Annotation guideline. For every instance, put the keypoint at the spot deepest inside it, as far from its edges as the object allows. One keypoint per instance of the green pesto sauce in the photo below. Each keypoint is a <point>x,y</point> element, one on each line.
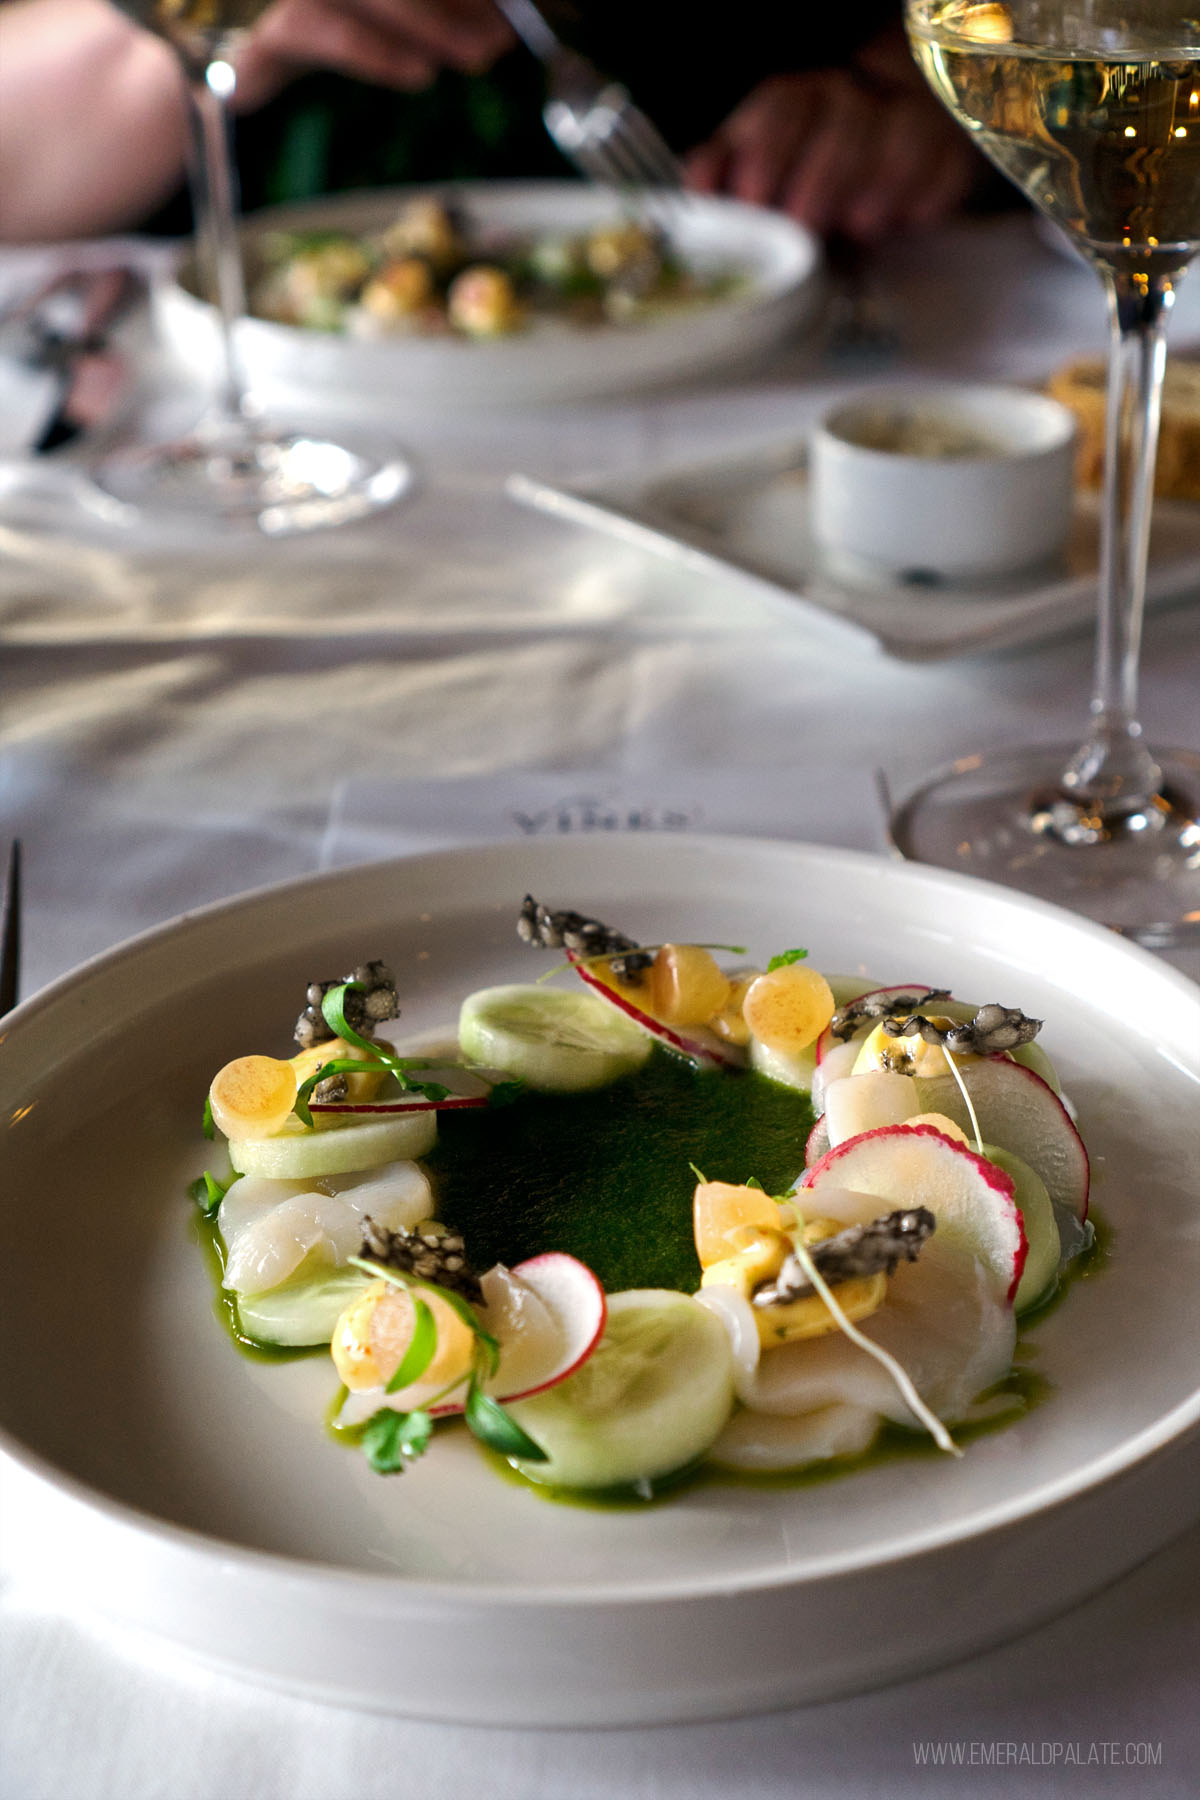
<point>607,1176</point>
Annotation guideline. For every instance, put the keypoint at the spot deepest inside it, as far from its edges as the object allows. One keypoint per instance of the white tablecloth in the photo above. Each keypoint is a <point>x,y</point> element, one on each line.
<point>176,727</point>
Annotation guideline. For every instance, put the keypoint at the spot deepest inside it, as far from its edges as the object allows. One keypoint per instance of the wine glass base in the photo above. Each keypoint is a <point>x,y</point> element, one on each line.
<point>1007,818</point>
<point>260,477</point>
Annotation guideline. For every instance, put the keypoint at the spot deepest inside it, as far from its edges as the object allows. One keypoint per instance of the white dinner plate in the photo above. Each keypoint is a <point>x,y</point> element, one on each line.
<point>778,262</point>
<point>193,1492</point>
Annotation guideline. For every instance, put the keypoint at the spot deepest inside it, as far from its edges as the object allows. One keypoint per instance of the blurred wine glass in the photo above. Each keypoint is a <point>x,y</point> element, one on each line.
<point>1092,107</point>
<point>237,465</point>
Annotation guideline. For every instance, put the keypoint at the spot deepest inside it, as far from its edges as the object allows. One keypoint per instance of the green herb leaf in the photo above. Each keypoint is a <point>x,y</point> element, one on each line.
<point>391,1440</point>
<point>301,1107</point>
<point>752,1181</point>
<point>785,959</point>
<point>701,1177</point>
<point>406,1279</point>
<point>333,1012</point>
<point>421,1348</point>
<point>207,1124</point>
<point>487,1356</point>
<point>505,1092</point>
<point>208,1192</point>
<point>488,1421</point>
<point>337,1065</point>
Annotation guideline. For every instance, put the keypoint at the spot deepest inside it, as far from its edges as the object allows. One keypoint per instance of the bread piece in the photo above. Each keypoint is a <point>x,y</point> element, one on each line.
<point>1081,385</point>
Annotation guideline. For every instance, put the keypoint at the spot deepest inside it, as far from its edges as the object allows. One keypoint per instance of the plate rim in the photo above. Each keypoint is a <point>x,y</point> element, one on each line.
<point>1172,1430</point>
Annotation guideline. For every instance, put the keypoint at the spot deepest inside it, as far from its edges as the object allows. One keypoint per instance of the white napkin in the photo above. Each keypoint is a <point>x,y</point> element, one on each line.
<point>27,400</point>
<point>377,818</point>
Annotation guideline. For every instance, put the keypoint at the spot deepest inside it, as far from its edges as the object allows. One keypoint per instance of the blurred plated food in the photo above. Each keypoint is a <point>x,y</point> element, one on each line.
<point>491,293</point>
<point>432,270</point>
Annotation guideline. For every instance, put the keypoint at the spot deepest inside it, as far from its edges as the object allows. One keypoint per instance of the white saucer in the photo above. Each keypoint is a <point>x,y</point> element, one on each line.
<point>745,515</point>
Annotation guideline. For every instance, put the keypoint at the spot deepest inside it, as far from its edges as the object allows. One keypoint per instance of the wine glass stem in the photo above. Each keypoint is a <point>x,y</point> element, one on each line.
<point>214,202</point>
<point>1113,772</point>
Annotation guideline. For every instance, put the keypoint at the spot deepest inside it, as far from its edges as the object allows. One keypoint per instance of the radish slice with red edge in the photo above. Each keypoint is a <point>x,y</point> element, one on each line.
<point>708,1049</point>
<point>1019,1111</point>
<point>914,1165</point>
<point>399,1106</point>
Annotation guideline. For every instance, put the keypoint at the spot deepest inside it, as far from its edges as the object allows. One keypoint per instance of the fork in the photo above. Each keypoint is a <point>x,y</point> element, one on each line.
<point>10,932</point>
<point>591,118</point>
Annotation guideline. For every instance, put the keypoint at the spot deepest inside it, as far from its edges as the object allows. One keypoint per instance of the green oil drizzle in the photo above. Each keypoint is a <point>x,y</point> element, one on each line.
<point>205,1234</point>
<point>607,1175</point>
<point>1092,1260</point>
<point>1024,1387</point>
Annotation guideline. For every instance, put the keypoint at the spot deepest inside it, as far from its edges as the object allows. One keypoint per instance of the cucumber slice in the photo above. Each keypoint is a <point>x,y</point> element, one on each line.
<point>300,1312</point>
<point>298,1154</point>
<point>793,1068</point>
<point>1035,1058</point>
<point>558,1040</point>
<point>653,1395</point>
<point>1041,1229</point>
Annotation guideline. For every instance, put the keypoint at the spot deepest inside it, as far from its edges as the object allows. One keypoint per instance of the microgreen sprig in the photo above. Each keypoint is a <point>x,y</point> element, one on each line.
<point>392,1440</point>
<point>492,1425</point>
<point>421,1350</point>
<point>208,1192</point>
<point>785,959</point>
<point>376,1059</point>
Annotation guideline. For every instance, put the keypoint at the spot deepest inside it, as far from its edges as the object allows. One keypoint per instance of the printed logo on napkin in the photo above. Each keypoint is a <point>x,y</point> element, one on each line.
<point>372,818</point>
<point>584,812</point>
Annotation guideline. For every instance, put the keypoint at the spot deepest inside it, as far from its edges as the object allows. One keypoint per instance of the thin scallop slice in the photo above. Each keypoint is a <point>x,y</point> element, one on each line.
<point>321,1228</point>
<point>941,1321</point>
<point>271,1227</point>
<point>398,1195</point>
<point>945,1320</point>
<point>761,1443</point>
<point>249,1198</point>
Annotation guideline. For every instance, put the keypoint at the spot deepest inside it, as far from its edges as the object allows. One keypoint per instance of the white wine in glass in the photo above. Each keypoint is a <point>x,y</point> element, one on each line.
<point>1092,107</point>
<point>236,465</point>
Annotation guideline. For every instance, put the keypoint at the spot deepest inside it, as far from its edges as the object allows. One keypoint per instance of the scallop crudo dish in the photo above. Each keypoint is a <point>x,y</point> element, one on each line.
<point>656,1209</point>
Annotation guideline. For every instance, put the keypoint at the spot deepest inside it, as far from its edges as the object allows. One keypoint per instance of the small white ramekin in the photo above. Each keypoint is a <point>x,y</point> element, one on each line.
<point>894,514</point>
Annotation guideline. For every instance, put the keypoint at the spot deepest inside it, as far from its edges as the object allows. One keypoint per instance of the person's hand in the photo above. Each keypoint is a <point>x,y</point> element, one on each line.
<point>393,43</point>
<point>847,150</point>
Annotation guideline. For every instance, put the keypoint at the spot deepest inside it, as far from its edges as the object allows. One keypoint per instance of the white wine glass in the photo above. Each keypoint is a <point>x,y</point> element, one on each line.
<point>1093,108</point>
<point>236,465</point>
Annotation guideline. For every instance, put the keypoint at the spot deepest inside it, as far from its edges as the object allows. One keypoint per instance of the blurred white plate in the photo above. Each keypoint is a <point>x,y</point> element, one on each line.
<point>550,361</point>
<point>188,1490</point>
<point>746,514</point>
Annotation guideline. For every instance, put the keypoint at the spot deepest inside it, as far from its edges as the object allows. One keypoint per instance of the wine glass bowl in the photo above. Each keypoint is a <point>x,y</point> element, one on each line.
<point>1093,109</point>
<point>235,466</point>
